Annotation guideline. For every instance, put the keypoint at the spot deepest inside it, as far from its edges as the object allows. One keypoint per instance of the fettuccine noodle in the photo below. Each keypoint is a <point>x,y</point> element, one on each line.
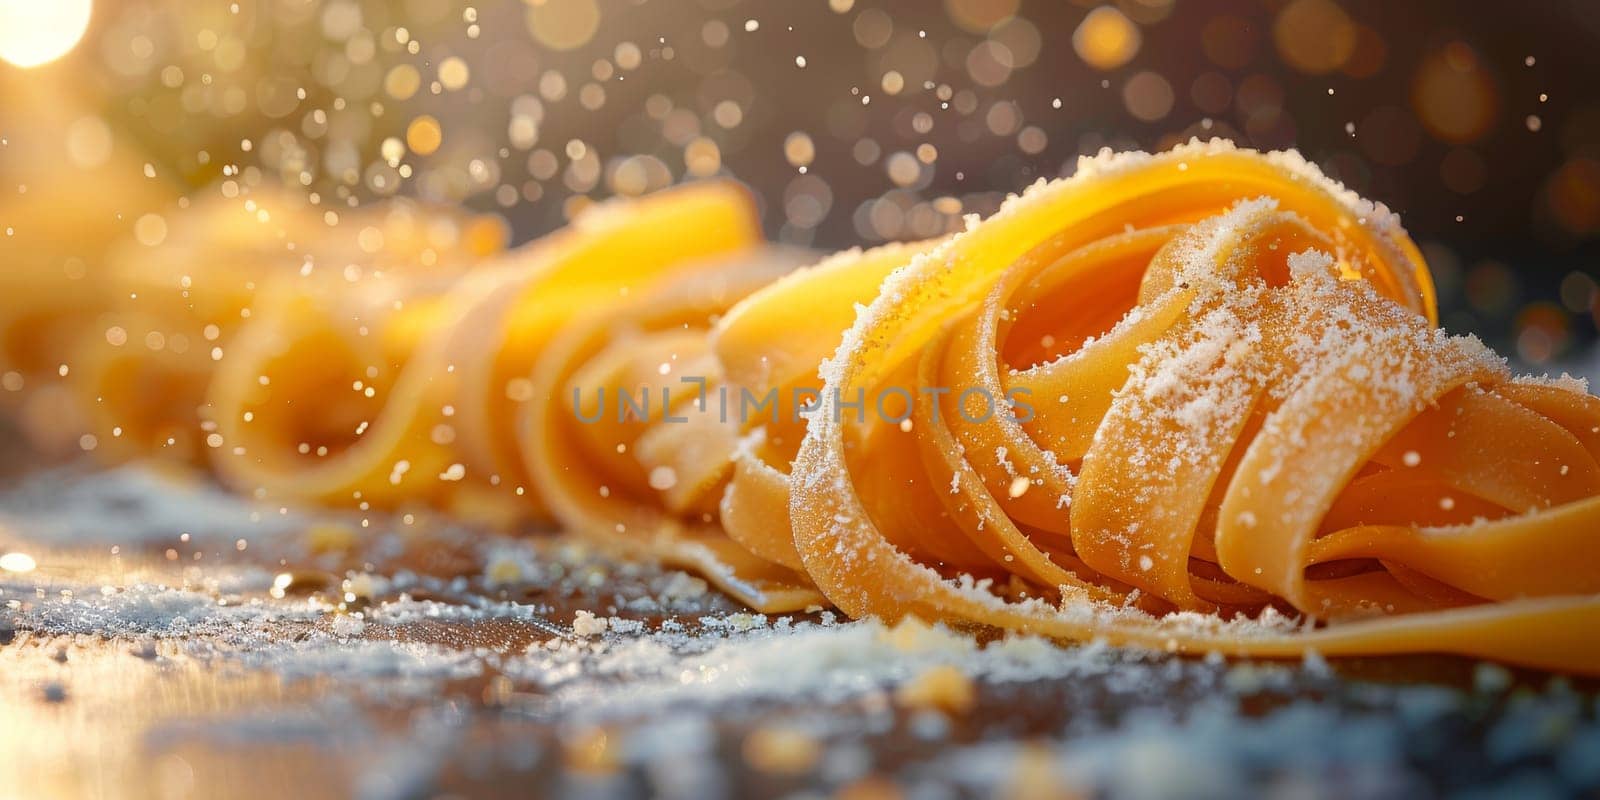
<point>1193,401</point>
<point>1272,422</point>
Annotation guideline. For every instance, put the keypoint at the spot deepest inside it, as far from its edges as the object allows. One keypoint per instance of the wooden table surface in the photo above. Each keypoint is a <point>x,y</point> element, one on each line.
<point>137,662</point>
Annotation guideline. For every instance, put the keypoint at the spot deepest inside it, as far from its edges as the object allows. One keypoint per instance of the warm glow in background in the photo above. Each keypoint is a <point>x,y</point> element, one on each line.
<point>33,33</point>
<point>857,121</point>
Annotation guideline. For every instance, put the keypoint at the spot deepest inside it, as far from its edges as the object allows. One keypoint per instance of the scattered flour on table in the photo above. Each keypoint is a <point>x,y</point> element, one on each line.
<point>1184,729</point>
<point>131,505</point>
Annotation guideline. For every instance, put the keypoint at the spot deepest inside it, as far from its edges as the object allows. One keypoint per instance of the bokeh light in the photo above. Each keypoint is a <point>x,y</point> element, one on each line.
<point>1314,36</point>
<point>35,32</point>
<point>904,116</point>
<point>17,563</point>
<point>1455,94</point>
<point>1106,39</point>
<point>563,24</point>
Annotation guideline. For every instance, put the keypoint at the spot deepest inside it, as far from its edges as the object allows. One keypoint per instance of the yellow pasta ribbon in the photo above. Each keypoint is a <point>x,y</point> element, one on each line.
<point>398,391</point>
<point>1193,401</point>
<point>1239,407</point>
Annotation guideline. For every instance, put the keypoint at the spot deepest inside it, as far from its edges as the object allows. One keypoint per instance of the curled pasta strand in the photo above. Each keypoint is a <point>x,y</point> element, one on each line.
<point>441,367</point>
<point>143,327</point>
<point>627,436</point>
<point>1193,401</point>
<point>1270,379</point>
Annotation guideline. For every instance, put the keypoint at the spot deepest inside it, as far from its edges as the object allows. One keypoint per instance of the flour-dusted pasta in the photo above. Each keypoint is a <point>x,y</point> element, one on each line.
<point>1193,401</point>
<point>408,391</point>
<point>121,342</point>
<point>1227,419</point>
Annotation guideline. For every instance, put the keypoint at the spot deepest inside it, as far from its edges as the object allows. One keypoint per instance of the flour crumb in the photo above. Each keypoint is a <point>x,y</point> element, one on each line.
<point>586,624</point>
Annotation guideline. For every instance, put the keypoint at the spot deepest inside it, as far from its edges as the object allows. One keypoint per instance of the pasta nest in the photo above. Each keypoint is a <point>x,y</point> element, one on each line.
<point>1194,401</point>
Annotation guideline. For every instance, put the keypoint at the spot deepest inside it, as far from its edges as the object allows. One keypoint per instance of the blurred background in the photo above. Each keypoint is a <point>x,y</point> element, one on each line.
<point>856,121</point>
